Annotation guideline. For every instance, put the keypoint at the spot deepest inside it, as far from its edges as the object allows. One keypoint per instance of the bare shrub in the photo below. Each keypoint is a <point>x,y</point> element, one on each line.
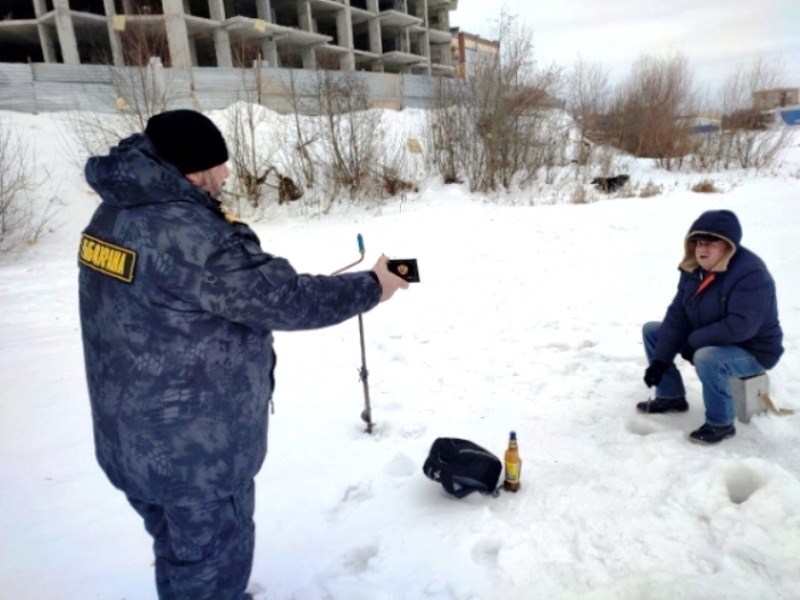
<point>329,144</point>
<point>606,159</point>
<point>250,165</point>
<point>141,88</point>
<point>745,139</point>
<point>296,140</point>
<point>706,186</point>
<point>498,128</point>
<point>23,217</point>
<point>348,145</point>
<point>588,98</point>
<point>650,189</point>
<point>257,177</point>
<point>394,185</point>
<point>144,86</point>
<point>579,195</point>
<point>444,128</point>
<point>648,115</point>
<point>299,155</point>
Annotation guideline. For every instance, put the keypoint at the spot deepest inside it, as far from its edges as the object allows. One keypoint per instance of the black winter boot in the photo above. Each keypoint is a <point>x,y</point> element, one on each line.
<point>711,434</point>
<point>662,405</point>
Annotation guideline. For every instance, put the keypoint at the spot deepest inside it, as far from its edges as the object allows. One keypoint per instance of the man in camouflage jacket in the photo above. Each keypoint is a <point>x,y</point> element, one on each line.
<point>177,306</point>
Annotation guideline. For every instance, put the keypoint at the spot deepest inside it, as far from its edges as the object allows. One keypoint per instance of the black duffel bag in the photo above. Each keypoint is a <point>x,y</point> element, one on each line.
<point>462,467</point>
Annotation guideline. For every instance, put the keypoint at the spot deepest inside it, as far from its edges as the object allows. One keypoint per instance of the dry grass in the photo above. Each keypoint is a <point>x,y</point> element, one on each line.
<point>706,186</point>
<point>394,185</point>
<point>579,195</point>
<point>650,190</point>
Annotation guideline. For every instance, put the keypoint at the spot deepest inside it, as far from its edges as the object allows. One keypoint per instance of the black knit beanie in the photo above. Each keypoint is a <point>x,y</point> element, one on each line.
<point>187,139</point>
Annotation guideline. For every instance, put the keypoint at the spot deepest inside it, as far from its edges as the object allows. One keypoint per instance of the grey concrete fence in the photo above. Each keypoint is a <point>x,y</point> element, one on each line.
<point>46,87</point>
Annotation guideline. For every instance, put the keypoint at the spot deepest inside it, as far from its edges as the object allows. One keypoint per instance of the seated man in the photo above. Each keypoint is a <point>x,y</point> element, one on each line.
<point>724,320</point>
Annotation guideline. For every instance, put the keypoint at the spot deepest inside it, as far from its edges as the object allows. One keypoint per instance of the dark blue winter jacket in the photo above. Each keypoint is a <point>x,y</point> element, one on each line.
<point>177,307</point>
<point>738,308</point>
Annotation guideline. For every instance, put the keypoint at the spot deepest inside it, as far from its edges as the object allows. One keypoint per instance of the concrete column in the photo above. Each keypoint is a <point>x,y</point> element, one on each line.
<point>425,38</point>
<point>374,32</point>
<point>117,57</point>
<point>192,51</point>
<point>445,55</point>
<point>304,15</point>
<point>177,34</point>
<point>66,33</point>
<point>425,50</point>
<point>422,11</point>
<point>309,57</point>
<point>344,31</point>
<point>269,49</point>
<point>269,53</point>
<point>264,10</point>
<point>222,40</point>
<point>39,8</point>
<point>45,37</point>
<point>444,19</point>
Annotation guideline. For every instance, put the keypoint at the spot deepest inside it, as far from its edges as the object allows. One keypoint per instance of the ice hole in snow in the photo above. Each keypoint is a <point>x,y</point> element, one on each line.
<point>743,482</point>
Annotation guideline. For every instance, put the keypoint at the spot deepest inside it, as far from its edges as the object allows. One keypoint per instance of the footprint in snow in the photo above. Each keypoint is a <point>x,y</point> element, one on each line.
<point>485,552</point>
<point>353,496</point>
<point>401,465</point>
<point>357,560</point>
<point>641,427</point>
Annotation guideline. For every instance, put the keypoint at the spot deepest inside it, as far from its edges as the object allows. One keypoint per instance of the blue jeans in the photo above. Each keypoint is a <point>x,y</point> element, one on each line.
<point>204,551</point>
<point>715,366</point>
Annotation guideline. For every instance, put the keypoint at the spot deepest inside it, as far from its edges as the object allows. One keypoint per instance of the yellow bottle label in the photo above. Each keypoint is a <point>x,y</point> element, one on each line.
<point>512,471</point>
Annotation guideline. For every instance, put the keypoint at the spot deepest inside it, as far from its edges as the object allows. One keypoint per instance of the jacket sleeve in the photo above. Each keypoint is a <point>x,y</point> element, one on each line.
<point>243,284</point>
<point>675,327</point>
<point>744,316</point>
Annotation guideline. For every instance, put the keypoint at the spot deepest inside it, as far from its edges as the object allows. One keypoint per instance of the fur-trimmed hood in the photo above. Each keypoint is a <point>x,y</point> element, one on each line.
<point>720,223</point>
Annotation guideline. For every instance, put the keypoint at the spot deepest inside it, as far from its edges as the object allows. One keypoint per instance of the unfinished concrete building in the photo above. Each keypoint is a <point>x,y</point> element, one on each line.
<point>399,36</point>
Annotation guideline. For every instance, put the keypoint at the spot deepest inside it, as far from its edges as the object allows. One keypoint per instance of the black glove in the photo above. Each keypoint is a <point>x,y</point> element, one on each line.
<point>654,373</point>
<point>687,352</point>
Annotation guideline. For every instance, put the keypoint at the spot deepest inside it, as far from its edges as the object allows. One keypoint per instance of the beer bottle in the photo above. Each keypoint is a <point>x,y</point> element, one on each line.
<point>513,464</point>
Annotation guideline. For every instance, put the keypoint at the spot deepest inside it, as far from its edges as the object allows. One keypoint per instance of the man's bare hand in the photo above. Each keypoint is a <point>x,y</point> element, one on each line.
<point>390,282</point>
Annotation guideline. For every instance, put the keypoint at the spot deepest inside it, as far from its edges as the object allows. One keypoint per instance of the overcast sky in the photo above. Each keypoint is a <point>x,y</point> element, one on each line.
<point>715,36</point>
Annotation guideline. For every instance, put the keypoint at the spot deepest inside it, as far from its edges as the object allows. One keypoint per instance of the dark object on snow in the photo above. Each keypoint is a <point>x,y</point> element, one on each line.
<point>610,184</point>
<point>663,405</point>
<point>710,434</point>
<point>462,467</point>
<point>288,190</point>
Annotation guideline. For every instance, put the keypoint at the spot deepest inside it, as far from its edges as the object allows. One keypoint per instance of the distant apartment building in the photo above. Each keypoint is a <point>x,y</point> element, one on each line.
<point>468,50</point>
<point>776,98</point>
<point>399,36</point>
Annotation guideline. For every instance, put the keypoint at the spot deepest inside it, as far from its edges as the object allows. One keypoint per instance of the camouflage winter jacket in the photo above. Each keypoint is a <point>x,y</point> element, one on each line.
<point>177,307</point>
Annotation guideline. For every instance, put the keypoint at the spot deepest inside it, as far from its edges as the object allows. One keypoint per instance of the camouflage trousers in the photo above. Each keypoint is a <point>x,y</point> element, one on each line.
<point>203,551</point>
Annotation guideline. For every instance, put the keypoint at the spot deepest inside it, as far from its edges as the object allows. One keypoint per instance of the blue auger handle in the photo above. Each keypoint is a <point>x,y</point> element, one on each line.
<point>360,243</point>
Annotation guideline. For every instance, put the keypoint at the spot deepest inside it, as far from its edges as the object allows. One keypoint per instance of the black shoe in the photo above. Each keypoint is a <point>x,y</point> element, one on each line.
<point>662,405</point>
<point>710,434</point>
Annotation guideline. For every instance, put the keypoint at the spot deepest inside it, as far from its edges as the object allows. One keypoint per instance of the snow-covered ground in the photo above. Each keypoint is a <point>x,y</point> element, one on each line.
<point>527,318</point>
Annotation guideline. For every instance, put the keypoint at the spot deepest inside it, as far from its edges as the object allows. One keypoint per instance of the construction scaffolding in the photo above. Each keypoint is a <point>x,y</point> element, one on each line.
<point>392,36</point>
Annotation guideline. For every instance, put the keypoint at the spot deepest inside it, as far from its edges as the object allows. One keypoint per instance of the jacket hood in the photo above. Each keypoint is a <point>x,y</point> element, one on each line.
<point>133,174</point>
<point>720,223</point>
